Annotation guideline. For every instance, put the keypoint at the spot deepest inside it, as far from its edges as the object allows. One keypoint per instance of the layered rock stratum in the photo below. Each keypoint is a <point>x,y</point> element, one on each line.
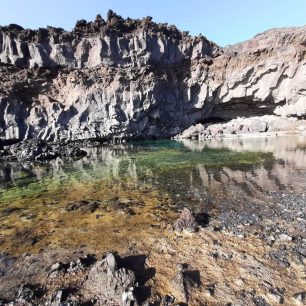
<point>127,79</point>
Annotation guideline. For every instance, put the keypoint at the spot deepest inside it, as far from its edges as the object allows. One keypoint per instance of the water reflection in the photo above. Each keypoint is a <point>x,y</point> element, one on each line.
<point>288,148</point>
<point>285,171</point>
<point>152,180</point>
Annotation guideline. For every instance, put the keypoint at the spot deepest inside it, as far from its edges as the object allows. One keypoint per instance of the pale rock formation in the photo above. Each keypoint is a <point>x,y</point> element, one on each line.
<point>246,127</point>
<point>132,79</point>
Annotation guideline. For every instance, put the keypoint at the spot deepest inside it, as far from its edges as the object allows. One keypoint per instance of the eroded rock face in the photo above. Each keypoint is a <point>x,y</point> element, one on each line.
<point>114,42</point>
<point>109,283</point>
<point>137,79</point>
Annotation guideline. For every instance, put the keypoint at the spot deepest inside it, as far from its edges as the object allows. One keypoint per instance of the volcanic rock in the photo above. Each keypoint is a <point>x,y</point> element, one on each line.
<point>186,221</point>
<point>125,79</point>
<point>108,282</point>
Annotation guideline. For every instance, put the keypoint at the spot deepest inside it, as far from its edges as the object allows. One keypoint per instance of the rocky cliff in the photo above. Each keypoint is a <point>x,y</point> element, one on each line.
<point>124,78</point>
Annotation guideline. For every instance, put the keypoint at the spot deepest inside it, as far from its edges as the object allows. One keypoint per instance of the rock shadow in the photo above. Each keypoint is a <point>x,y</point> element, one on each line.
<point>193,278</point>
<point>203,219</point>
<point>137,263</point>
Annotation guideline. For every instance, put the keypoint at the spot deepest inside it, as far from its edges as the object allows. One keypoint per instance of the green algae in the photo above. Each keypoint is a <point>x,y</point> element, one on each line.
<point>39,223</point>
<point>158,157</point>
<point>171,158</point>
<point>139,172</point>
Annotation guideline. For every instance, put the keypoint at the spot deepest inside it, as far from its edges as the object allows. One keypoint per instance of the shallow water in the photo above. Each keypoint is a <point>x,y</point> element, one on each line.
<point>139,188</point>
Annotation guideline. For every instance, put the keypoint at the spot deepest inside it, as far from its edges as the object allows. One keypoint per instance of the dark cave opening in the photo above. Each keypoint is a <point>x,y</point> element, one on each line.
<point>212,120</point>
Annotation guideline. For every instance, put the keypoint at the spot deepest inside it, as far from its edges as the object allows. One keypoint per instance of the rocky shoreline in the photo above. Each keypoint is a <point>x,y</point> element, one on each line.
<point>40,150</point>
<point>246,127</point>
<point>247,248</point>
<point>260,263</point>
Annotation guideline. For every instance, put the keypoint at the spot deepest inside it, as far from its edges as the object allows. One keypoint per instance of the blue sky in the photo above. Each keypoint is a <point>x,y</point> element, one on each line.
<point>223,21</point>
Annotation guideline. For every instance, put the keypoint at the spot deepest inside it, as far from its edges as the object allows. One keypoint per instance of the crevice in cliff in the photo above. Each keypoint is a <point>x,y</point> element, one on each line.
<point>211,120</point>
<point>244,107</point>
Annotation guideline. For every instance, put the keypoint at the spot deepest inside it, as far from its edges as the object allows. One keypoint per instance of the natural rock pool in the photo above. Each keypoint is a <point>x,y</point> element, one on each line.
<point>124,198</point>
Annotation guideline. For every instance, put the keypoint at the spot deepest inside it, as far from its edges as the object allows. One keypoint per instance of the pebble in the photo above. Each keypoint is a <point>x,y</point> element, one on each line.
<point>284,237</point>
<point>300,296</point>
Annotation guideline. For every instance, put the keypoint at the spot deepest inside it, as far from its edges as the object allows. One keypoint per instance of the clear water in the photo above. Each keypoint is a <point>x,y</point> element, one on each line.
<point>152,179</point>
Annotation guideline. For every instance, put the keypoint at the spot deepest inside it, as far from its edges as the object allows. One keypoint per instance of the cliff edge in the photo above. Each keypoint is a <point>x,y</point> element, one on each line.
<point>126,79</point>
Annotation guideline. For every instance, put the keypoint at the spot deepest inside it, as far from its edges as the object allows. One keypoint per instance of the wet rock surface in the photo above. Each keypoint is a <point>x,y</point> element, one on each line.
<point>268,272</point>
<point>40,150</point>
<point>132,280</point>
<point>141,280</point>
<point>84,206</point>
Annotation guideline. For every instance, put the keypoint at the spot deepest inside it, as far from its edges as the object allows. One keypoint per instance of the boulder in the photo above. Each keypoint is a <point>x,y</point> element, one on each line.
<point>112,283</point>
<point>186,222</point>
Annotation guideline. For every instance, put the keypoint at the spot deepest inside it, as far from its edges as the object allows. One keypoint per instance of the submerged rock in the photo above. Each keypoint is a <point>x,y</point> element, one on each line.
<point>84,206</point>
